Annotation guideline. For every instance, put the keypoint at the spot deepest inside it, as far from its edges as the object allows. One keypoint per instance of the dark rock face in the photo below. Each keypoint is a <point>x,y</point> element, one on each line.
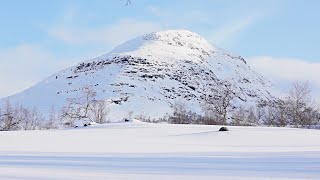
<point>223,129</point>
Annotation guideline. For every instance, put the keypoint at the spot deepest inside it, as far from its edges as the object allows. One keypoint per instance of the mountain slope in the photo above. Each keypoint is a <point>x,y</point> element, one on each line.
<point>149,73</point>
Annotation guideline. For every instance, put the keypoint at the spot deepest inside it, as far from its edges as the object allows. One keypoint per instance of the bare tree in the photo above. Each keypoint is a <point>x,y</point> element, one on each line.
<point>36,120</point>
<point>299,103</point>
<point>25,118</point>
<point>260,111</point>
<point>85,106</point>
<point>30,119</point>
<point>209,118</point>
<point>179,113</point>
<point>296,109</point>
<point>269,119</point>
<point>8,120</point>
<point>52,121</point>
<point>219,102</point>
<point>255,115</point>
<point>100,112</point>
<point>239,117</point>
<point>79,107</point>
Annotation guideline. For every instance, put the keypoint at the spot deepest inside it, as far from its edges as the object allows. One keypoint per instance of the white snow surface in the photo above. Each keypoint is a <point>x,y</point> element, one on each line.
<point>143,151</point>
<point>151,72</point>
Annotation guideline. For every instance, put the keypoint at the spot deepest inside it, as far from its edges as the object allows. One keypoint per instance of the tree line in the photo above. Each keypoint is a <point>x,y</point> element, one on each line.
<point>296,109</point>
<point>85,108</point>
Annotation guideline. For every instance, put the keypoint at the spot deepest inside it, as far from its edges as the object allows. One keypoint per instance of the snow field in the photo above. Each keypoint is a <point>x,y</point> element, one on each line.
<point>160,151</point>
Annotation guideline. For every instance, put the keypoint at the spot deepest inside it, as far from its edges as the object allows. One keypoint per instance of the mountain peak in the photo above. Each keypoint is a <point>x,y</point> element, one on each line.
<point>172,35</point>
<point>178,44</point>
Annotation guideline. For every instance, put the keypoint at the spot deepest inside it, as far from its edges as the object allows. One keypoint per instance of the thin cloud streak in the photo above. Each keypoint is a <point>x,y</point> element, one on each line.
<point>110,35</point>
<point>229,32</point>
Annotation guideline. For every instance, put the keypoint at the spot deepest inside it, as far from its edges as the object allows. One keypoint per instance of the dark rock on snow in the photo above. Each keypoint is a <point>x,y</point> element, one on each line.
<point>223,129</point>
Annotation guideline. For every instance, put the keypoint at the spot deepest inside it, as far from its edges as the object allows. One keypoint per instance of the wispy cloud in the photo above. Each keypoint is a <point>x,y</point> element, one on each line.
<point>229,32</point>
<point>110,34</point>
<point>282,71</point>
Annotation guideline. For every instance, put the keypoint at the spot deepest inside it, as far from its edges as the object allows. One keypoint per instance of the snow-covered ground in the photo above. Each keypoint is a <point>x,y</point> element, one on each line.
<point>160,151</point>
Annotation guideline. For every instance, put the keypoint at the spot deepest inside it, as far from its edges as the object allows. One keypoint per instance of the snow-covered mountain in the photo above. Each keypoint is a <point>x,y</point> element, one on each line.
<point>149,73</point>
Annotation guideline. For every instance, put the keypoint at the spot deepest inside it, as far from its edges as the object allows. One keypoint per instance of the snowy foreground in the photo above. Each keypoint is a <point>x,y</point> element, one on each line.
<point>159,151</point>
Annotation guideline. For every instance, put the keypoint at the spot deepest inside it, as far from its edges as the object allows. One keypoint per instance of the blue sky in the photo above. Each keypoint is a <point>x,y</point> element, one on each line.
<point>280,38</point>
